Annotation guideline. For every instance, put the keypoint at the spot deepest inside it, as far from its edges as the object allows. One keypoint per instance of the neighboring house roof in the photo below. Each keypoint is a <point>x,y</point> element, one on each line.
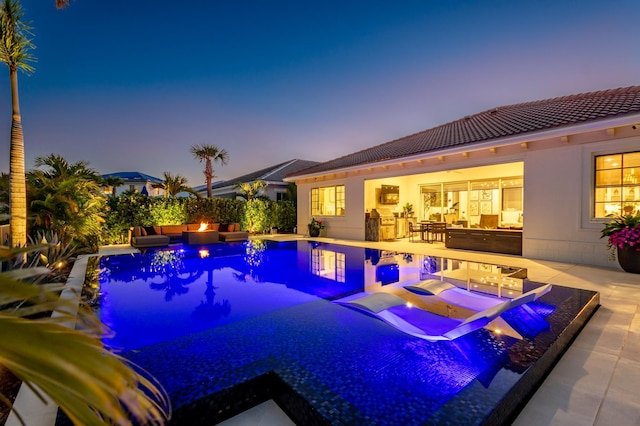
<point>270,174</point>
<point>133,176</point>
<point>497,123</point>
<point>200,188</point>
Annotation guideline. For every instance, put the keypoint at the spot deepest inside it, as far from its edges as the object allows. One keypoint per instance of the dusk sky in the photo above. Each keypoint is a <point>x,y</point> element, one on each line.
<point>131,85</point>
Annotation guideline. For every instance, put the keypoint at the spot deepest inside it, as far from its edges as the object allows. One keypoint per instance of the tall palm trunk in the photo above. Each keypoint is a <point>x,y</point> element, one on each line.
<point>18,191</point>
<point>208,175</point>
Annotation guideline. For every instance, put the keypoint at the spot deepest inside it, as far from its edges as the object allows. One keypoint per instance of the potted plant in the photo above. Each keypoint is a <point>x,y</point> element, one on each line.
<point>315,226</point>
<point>623,234</point>
<point>407,209</point>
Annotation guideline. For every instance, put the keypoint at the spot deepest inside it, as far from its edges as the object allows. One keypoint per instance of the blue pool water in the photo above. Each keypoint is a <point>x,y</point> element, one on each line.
<point>204,320</point>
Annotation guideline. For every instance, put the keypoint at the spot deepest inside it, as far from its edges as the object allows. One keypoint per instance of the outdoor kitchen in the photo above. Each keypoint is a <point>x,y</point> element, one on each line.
<point>385,222</point>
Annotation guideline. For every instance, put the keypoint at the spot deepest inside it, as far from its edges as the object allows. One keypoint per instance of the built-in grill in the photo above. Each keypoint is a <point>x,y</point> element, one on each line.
<point>387,223</point>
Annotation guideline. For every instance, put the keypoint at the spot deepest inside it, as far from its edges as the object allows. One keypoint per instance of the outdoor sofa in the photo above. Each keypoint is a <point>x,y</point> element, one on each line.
<point>158,236</point>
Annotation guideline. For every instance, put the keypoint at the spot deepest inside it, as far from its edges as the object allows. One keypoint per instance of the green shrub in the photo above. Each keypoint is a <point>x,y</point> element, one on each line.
<point>259,216</point>
<point>168,211</point>
<point>133,209</point>
<point>286,215</point>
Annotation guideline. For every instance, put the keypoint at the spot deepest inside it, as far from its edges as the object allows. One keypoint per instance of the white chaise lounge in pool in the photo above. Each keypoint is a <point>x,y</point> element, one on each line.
<point>466,299</point>
<point>423,324</point>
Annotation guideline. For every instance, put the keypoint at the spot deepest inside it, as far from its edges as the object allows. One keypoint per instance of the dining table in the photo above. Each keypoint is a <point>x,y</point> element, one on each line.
<point>427,230</point>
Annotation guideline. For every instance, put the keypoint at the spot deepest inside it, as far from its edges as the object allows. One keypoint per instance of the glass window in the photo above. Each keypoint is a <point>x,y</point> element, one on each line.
<point>512,193</point>
<point>617,184</point>
<point>328,201</point>
<point>455,198</point>
<point>432,202</point>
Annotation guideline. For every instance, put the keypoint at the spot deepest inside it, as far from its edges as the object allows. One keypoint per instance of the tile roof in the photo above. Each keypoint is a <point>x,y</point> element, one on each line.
<point>272,174</point>
<point>497,123</point>
<point>133,176</point>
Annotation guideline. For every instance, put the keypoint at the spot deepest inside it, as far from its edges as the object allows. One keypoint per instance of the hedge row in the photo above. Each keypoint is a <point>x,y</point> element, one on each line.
<point>256,216</point>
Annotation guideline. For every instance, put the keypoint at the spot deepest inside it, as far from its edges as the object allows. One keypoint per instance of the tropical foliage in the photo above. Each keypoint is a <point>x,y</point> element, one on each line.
<point>66,198</point>
<point>113,182</point>
<point>173,185</point>
<point>315,225</point>
<point>252,190</point>
<point>133,209</point>
<point>4,193</point>
<point>15,46</point>
<point>286,215</point>
<point>258,216</point>
<point>90,384</point>
<point>209,154</point>
<point>292,193</point>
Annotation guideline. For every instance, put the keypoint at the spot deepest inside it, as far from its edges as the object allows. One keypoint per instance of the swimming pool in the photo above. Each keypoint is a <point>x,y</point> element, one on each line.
<point>226,326</point>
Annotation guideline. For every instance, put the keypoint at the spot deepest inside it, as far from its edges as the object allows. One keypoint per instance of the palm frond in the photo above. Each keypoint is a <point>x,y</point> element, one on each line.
<point>91,384</point>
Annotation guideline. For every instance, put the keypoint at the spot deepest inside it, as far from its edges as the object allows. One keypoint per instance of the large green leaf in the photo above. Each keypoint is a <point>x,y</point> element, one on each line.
<point>91,384</point>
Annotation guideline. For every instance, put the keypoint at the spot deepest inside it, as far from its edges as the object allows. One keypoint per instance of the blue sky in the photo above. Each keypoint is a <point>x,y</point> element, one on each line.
<point>131,85</point>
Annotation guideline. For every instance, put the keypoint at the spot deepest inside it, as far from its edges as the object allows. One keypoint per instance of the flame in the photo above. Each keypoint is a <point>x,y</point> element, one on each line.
<point>203,227</point>
<point>203,253</point>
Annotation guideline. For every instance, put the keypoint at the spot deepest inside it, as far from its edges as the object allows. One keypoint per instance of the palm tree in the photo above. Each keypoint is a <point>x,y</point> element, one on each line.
<point>209,153</point>
<point>252,190</point>
<point>173,185</point>
<point>66,198</point>
<point>113,182</point>
<point>14,51</point>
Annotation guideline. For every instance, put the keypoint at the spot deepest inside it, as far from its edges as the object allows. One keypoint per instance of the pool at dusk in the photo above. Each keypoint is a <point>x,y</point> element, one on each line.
<point>225,327</point>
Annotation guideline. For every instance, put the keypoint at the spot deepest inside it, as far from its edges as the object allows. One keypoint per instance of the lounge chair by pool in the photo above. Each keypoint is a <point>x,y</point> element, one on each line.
<point>466,299</point>
<point>417,322</point>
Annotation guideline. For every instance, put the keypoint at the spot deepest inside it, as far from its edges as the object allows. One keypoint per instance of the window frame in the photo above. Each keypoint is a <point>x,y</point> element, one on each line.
<point>336,197</point>
<point>617,188</point>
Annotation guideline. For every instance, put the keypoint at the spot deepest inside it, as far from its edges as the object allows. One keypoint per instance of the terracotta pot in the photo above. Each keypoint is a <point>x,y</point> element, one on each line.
<point>629,259</point>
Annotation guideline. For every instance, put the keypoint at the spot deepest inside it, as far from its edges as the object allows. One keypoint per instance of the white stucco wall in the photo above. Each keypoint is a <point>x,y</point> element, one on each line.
<point>558,203</point>
<point>351,225</point>
<point>558,192</point>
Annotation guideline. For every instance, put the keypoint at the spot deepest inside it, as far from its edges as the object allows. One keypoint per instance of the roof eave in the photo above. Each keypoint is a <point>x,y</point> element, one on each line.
<point>589,126</point>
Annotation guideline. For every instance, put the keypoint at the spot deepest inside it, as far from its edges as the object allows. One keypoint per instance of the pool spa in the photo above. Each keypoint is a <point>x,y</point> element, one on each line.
<point>227,326</point>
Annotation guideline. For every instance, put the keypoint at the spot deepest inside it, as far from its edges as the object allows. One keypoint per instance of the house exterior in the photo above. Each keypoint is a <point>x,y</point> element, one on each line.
<point>273,176</point>
<point>135,181</point>
<point>553,170</point>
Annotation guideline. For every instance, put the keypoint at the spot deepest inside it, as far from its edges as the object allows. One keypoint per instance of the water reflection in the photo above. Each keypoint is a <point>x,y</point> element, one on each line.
<point>170,274</point>
<point>209,309</point>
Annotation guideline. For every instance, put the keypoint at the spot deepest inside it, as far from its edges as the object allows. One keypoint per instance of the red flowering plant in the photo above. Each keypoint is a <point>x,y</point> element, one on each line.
<point>623,231</point>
